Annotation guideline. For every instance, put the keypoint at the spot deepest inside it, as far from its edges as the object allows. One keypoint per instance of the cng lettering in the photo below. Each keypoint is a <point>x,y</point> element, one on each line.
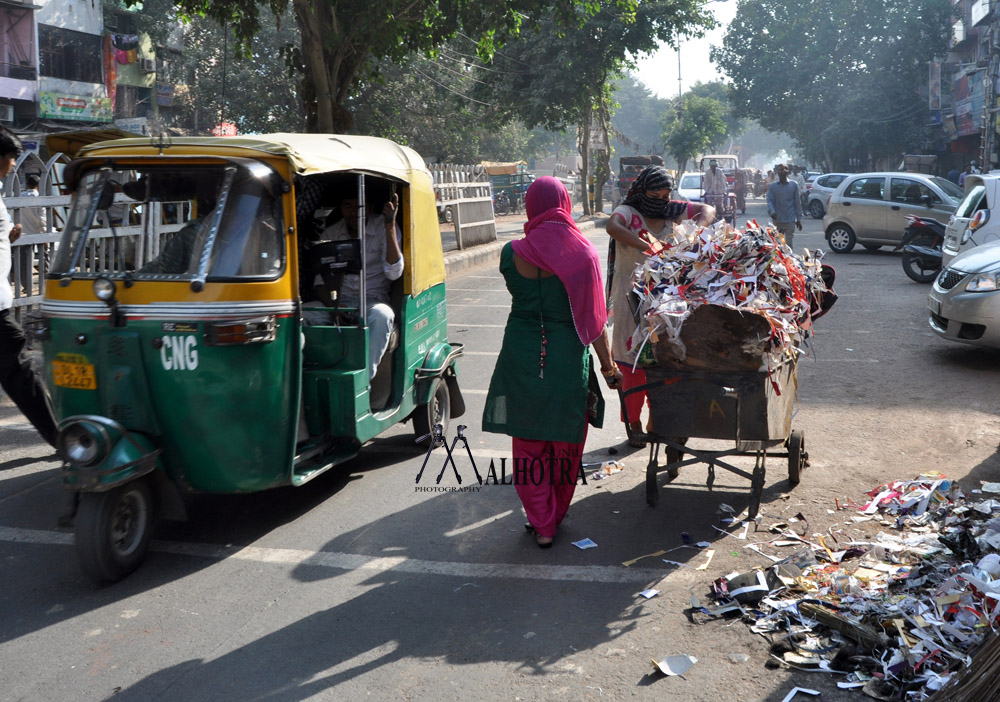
<point>179,353</point>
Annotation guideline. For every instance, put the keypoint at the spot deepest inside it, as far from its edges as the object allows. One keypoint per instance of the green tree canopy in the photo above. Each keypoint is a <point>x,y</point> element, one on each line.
<point>842,77</point>
<point>700,126</point>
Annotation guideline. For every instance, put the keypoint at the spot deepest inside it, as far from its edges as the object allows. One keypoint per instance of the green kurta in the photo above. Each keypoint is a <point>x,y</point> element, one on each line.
<point>519,403</point>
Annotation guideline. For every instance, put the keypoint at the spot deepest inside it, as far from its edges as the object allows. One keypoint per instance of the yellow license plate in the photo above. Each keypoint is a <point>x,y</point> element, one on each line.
<point>74,375</point>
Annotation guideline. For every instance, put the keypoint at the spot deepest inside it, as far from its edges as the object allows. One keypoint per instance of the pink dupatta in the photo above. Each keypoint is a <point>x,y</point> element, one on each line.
<point>553,243</point>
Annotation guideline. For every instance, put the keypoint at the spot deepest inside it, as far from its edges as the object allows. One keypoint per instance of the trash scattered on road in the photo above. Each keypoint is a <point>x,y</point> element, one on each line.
<point>900,613</point>
<point>675,665</point>
<point>584,544</point>
<point>649,594</point>
<point>606,469</point>
<point>799,690</point>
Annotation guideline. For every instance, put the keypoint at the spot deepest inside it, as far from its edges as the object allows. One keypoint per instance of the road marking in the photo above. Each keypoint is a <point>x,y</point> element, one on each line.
<point>480,353</point>
<point>480,523</point>
<point>476,290</point>
<point>353,561</point>
<point>467,391</point>
<point>480,326</point>
<point>475,304</point>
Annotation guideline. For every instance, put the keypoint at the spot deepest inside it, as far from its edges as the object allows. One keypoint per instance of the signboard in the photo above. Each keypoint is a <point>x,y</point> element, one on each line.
<point>75,107</point>
<point>934,86</point>
<point>164,94</point>
<point>136,125</point>
<point>224,129</point>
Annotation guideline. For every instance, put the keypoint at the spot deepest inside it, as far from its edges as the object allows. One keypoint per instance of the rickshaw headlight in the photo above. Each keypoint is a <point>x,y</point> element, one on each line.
<point>104,289</point>
<point>84,443</point>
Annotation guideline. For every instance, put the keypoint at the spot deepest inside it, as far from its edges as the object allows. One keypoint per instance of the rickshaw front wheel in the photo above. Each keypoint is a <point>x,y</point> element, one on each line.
<point>436,411</point>
<point>113,530</point>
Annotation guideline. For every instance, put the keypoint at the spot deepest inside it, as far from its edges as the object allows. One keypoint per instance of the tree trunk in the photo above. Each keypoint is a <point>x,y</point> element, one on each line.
<point>329,116</point>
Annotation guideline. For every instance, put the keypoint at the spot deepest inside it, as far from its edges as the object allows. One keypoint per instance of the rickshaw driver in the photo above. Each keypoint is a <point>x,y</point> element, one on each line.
<point>384,262</point>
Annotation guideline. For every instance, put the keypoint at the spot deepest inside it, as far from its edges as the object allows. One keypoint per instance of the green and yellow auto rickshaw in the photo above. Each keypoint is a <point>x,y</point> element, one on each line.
<point>173,331</point>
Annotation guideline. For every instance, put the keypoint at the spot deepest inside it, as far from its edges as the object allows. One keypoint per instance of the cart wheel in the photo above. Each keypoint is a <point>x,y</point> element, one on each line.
<point>798,459</point>
<point>756,486</point>
<point>113,529</point>
<point>652,489</point>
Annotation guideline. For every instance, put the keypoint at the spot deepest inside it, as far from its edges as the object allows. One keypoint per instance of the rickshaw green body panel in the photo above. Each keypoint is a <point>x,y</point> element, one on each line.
<point>214,402</point>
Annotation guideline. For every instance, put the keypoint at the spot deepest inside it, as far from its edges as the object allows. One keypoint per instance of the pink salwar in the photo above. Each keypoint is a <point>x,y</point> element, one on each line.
<point>555,467</point>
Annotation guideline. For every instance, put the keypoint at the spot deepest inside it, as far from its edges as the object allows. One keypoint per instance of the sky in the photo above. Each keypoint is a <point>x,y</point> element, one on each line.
<point>659,71</point>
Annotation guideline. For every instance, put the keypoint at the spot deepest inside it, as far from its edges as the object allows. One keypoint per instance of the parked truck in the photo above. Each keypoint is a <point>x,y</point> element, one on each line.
<point>629,168</point>
<point>512,179</point>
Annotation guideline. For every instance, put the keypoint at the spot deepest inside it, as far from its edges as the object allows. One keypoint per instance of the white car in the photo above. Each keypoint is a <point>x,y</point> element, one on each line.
<point>689,186</point>
<point>972,223</point>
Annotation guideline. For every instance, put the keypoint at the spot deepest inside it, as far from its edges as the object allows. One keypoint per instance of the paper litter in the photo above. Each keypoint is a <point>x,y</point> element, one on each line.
<point>747,270</point>
<point>900,613</point>
<point>675,665</point>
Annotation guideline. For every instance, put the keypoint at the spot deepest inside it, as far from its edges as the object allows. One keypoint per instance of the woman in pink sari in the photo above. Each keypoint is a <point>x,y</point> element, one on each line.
<point>541,393</point>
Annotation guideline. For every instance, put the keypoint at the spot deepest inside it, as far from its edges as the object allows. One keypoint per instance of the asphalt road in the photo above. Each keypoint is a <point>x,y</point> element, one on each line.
<point>356,586</point>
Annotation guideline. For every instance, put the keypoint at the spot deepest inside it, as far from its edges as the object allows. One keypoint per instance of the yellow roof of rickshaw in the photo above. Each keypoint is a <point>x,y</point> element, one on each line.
<point>308,153</point>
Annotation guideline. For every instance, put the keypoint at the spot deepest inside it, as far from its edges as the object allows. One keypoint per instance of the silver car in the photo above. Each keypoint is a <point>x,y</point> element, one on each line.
<point>819,191</point>
<point>964,303</point>
<point>689,186</point>
<point>973,224</point>
<point>870,208</point>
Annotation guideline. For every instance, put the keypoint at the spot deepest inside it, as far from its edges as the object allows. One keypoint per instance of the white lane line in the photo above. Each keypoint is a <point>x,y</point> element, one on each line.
<point>480,326</point>
<point>480,353</point>
<point>354,561</point>
<point>496,290</point>
<point>466,391</point>
<point>480,523</point>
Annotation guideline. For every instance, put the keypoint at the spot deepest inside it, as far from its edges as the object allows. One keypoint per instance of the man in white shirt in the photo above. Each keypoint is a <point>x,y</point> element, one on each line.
<point>384,261</point>
<point>17,378</point>
<point>715,186</point>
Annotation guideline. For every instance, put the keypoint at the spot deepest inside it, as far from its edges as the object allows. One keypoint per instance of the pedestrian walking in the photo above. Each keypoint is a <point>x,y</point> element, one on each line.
<point>17,378</point>
<point>784,205</point>
<point>544,391</point>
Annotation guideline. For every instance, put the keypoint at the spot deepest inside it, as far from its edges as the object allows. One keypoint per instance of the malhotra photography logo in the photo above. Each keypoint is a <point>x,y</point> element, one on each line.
<point>553,469</point>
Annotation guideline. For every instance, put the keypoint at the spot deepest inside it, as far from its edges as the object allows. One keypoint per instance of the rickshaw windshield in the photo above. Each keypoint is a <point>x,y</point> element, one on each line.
<point>177,222</point>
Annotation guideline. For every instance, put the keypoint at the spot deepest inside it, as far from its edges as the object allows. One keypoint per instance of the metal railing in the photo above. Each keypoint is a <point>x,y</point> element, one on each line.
<point>467,191</point>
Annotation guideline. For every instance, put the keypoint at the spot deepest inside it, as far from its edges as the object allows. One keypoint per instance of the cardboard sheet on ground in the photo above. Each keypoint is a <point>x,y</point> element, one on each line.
<point>675,665</point>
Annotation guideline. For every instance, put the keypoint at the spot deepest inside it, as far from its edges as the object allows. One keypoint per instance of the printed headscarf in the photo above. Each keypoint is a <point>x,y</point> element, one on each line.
<point>654,178</point>
<point>554,243</point>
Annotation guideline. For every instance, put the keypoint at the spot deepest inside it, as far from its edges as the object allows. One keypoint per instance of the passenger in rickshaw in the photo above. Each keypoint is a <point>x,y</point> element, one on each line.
<point>384,261</point>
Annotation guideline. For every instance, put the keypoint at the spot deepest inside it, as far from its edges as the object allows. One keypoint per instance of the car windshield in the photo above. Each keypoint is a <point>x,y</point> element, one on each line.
<point>174,223</point>
<point>970,203</point>
<point>691,182</point>
<point>949,188</point>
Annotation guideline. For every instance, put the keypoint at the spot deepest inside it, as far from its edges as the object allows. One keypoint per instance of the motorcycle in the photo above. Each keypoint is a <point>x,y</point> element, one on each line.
<point>921,245</point>
<point>501,203</point>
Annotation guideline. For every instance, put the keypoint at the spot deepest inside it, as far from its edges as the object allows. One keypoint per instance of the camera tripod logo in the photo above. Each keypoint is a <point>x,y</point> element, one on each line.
<point>438,439</point>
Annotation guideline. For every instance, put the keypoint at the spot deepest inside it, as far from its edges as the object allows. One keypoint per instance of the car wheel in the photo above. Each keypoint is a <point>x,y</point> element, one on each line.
<point>816,209</point>
<point>448,216</point>
<point>872,247</point>
<point>841,238</point>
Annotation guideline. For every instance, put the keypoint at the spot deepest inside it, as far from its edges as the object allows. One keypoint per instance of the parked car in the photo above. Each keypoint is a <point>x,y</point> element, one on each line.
<point>690,186</point>
<point>972,224</point>
<point>818,192</point>
<point>964,303</point>
<point>870,208</point>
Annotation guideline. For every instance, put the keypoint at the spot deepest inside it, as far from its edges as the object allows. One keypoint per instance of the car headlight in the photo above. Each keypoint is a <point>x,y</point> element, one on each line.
<point>984,282</point>
<point>84,443</point>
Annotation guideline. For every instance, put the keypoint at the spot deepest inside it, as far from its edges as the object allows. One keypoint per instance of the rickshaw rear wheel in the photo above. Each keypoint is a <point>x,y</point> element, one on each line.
<point>436,411</point>
<point>113,530</point>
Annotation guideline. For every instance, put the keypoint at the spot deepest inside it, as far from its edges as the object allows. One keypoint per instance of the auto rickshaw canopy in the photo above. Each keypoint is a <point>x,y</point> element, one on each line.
<point>316,154</point>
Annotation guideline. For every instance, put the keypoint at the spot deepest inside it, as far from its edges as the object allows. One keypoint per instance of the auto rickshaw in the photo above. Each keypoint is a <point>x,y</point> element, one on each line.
<point>173,333</point>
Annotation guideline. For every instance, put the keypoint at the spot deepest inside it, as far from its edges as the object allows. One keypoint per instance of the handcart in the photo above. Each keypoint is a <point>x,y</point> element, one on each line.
<point>753,408</point>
